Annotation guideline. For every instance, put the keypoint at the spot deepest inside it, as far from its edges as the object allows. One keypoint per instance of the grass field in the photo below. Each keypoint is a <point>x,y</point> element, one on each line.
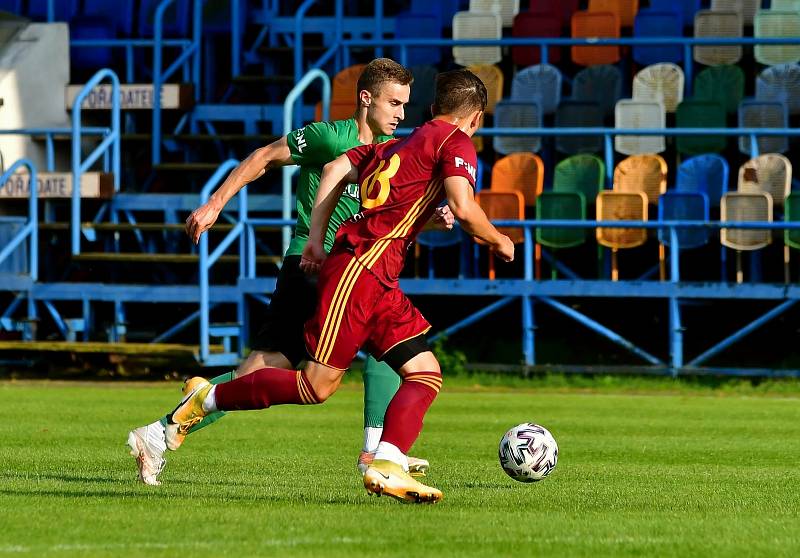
<point>664,474</point>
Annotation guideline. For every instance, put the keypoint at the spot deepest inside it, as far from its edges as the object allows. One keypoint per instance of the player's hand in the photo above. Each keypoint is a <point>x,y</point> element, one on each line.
<point>504,249</point>
<point>312,257</point>
<point>443,218</point>
<point>201,219</point>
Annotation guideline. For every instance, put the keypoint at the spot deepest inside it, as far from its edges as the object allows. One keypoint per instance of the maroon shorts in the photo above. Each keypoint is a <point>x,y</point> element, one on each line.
<point>355,310</point>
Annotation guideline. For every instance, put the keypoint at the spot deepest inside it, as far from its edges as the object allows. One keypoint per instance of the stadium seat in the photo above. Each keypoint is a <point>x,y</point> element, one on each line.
<point>418,109</point>
<point>650,23</point>
<point>681,206</point>
<point>595,25</point>
<point>562,206</point>
<point>780,83</point>
<point>563,8</point>
<point>11,6</point>
<point>580,173</point>
<point>343,93</point>
<point>444,9</point>
<point>747,8</point>
<point>659,82</point>
<point>770,173</point>
<point>432,239</point>
<point>507,9</point>
<point>503,206</point>
<point>625,10</point>
<point>707,174</point>
<point>722,84</point>
<point>754,113</point>
<point>599,84</point>
<point>642,173</point>
<point>791,238</point>
<point>516,114</point>
<point>468,25</point>
<point>708,24</point>
<point>630,113</point>
<point>64,10</point>
<point>700,113</point>
<point>492,78</point>
<point>769,23</point>
<point>541,84</point>
<point>785,5</point>
<point>579,114</point>
<point>418,26</point>
<point>620,206</point>
<point>745,207</point>
<point>176,18</point>
<point>686,8</point>
<point>520,172</point>
<point>684,206</point>
<point>527,24</point>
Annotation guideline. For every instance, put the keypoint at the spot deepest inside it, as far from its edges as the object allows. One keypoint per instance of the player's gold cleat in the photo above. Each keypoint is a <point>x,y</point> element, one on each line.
<point>174,435</point>
<point>188,412</point>
<point>416,467</point>
<point>387,477</point>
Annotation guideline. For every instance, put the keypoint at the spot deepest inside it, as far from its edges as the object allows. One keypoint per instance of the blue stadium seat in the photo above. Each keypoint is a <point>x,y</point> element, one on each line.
<point>684,206</point>
<point>540,84</point>
<point>176,18</point>
<point>64,10</point>
<point>418,109</point>
<point>444,10</point>
<point>649,23</point>
<point>600,84</point>
<point>118,14</point>
<point>707,174</point>
<point>517,114</point>
<point>686,8</point>
<point>12,6</point>
<point>410,26</point>
<point>579,114</point>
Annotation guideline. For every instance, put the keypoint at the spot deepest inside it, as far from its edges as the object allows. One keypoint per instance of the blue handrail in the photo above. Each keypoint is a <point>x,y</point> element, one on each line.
<point>288,109</point>
<point>160,77</point>
<point>111,140</point>
<point>206,260</point>
<point>31,228</point>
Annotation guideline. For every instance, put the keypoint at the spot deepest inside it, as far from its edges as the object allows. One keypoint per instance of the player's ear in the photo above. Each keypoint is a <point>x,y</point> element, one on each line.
<point>433,109</point>
<point>364,98</point>
<point>477,119</point>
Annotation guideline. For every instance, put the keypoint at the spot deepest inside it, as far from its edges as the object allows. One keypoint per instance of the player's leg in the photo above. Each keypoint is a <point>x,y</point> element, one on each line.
<point>380,384</point>
<point>399,338</point>
<point>278,344</point>
<point>332,336</point>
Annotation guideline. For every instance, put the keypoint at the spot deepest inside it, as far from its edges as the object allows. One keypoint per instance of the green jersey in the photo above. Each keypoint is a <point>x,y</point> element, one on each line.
<point>312,147</point>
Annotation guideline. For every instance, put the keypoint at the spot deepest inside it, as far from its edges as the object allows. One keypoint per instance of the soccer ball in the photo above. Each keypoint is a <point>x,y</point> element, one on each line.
<point>528,452</point>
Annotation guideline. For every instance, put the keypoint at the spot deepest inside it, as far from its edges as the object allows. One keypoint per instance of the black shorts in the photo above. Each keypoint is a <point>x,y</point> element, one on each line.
<point>292,304</point>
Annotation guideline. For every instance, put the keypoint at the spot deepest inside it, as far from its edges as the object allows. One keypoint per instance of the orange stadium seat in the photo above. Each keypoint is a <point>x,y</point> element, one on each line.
<point>595,24</point>
<point>503,205</point>
<point>626,10</point>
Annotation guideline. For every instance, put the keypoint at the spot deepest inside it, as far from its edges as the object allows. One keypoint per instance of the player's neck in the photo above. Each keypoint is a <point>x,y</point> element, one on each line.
<point>365,133</point>
<point>459,121</point>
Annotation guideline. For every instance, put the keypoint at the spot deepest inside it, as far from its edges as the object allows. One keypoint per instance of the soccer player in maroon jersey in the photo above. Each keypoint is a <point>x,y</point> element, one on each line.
<point>401,184</point>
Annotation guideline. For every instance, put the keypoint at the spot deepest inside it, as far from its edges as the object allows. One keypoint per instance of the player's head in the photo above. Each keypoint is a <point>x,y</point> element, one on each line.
<point>460,95</point>
<point>383,90</point>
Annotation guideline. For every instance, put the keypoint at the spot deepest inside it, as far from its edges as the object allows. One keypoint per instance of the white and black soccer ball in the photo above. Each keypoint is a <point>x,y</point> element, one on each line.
<point>528,452</point>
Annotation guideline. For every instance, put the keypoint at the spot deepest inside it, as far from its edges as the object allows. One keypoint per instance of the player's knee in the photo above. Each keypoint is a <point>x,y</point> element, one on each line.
<point>323,380</point>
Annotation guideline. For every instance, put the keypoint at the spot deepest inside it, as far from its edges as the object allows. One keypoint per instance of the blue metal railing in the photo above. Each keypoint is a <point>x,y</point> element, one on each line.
<point>31,228</point>
<point>288,126</point>
<point>111,141</point>
<point>190,53</point>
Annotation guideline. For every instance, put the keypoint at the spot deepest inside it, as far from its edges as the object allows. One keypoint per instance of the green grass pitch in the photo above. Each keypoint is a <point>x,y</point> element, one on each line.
<point>666,474</point>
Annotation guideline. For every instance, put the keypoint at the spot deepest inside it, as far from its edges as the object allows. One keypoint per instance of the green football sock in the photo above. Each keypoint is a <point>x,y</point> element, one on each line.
<point>380,385</point>
<point>215,416</point>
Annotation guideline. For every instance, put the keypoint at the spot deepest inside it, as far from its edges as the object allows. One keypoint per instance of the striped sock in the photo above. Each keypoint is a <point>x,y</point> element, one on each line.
<point>403,421</point>
<point>264,388</point>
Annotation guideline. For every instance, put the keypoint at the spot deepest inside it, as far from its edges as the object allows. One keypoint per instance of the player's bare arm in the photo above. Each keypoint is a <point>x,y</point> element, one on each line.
<point>336,175</point>
<point>472,218</point>
<point>257,163</point>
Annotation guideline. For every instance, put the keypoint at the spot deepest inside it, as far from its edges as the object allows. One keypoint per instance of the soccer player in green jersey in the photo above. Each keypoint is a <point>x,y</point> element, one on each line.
<point>383,89</point>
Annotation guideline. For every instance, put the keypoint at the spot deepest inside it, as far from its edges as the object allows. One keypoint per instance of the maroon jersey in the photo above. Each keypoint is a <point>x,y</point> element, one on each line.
<point>402,183</point>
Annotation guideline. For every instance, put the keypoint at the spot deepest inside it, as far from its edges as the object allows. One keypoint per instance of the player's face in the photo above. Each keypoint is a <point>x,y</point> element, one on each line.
<point>386,110</point>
